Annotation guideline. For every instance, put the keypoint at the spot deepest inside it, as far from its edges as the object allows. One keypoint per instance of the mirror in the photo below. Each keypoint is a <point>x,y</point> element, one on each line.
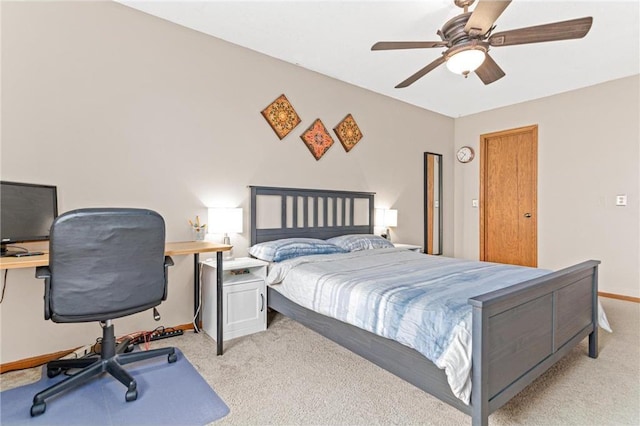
<point>432,203</point>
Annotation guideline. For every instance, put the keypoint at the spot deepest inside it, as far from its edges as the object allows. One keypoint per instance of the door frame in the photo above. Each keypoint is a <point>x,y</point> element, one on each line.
<point>533,129</point>
<point>429,175</point>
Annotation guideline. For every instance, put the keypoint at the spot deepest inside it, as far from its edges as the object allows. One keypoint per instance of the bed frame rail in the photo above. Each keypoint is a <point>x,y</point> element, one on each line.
<point>396,358</point>
<point>520,331</point>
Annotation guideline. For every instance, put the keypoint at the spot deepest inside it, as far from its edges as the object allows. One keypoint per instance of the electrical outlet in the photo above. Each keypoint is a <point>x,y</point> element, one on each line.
<point>621,200</point>
<point>474,203</point>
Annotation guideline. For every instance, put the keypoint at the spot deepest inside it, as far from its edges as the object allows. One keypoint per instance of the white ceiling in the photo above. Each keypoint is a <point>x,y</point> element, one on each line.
<point>335,38</point>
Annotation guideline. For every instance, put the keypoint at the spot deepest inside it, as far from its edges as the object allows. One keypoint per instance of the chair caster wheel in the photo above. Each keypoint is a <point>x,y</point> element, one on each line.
<point>37,409</point>
<point>131,395</point>
<point>53,372</point>
<point>172,358</point>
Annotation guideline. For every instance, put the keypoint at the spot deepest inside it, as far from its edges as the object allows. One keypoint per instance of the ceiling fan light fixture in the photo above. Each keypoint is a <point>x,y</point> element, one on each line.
<point>465,61</point>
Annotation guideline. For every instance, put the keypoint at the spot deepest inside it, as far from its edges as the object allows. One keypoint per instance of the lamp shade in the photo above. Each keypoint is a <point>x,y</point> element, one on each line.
<point>386,218</point>
<point>465,61</point>
<point>224,220</point>
<point>391,218</point>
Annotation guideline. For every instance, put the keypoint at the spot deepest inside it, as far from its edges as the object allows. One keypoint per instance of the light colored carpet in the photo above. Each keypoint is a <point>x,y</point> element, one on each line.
<point>289,375</point>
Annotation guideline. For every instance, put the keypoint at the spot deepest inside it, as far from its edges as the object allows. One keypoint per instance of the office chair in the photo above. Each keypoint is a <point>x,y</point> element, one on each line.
<point>103,264</point>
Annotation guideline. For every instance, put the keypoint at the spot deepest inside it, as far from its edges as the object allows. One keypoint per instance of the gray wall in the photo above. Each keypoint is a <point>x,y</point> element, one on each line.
<point>588,150</point>
<point>118,108</point>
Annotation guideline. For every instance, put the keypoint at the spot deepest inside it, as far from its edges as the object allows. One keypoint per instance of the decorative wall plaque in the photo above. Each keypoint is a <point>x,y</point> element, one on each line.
<point>317,139</point>
<point>348,132</point>
<point>281,116</point>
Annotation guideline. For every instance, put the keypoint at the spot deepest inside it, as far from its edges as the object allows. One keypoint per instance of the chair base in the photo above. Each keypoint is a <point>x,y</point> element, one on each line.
<point>108,362</point>
<point>57,366</point>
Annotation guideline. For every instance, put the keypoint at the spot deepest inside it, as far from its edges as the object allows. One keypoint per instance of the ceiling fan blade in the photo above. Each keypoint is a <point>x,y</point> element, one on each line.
<point>489,71</point>
<point>422,72</point>
<point>391,45</point>
<point>484,15</point>
<point>565,30</point>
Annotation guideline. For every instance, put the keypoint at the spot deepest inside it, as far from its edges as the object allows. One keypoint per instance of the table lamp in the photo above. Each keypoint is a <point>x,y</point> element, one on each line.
<point>386,218</point>
<point>225,220</point>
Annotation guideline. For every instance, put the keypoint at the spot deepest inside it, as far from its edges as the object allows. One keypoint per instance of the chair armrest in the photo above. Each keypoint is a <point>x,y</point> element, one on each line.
<point>168,261</point>
<point>43,272</point>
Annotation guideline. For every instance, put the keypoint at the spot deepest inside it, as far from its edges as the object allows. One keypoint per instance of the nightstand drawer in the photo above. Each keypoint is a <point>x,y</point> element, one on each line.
<point>247,309</point>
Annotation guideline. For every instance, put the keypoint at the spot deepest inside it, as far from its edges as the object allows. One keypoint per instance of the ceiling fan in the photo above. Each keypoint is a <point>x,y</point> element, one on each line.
<point>468,37</point>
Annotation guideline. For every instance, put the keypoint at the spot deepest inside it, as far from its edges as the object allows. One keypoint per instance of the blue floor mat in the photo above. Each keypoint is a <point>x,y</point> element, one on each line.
<point>168,394</point>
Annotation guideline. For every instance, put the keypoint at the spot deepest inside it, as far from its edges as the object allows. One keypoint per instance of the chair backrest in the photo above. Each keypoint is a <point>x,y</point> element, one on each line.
<point>105,263</point>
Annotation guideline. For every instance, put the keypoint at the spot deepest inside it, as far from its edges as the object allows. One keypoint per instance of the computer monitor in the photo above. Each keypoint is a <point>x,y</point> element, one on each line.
<point>26,213</point>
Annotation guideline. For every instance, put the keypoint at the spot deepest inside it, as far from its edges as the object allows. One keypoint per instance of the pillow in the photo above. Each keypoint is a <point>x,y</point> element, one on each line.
<point>357,242</point>
<point>288,248</point>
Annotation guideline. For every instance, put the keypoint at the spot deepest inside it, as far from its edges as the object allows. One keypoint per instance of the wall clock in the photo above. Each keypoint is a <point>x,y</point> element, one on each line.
<point>465,154</point>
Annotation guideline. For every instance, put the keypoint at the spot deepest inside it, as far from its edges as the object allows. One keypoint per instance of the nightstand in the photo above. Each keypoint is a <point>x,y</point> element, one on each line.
<point>411,247</point>
<point>244,295</point>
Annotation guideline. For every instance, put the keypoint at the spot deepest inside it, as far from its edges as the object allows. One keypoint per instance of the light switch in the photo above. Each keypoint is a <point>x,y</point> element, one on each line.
<point>474,203</point>
<point>621,200</point>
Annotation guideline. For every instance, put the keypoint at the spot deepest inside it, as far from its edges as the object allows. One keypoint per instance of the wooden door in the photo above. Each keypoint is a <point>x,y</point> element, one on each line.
<point>508,196</point>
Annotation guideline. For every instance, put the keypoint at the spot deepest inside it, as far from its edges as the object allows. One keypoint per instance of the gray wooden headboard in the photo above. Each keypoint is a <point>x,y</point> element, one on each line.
<point>311,213</point>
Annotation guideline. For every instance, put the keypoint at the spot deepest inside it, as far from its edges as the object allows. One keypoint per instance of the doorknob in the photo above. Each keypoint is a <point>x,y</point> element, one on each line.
<point>527,215</point>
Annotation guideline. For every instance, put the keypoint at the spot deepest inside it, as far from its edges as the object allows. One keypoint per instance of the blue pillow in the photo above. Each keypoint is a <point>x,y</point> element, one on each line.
<point>357,242</point>
<point>288,248</point>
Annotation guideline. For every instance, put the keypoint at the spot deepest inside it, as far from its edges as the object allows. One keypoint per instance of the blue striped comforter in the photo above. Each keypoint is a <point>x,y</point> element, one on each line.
<point>412,298</point>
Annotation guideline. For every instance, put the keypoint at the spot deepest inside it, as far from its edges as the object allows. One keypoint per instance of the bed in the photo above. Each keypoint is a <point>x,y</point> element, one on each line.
<point>518,332</point>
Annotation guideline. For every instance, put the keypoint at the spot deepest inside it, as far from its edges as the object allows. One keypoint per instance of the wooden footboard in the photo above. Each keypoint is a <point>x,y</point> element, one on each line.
<point>521,331</point>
